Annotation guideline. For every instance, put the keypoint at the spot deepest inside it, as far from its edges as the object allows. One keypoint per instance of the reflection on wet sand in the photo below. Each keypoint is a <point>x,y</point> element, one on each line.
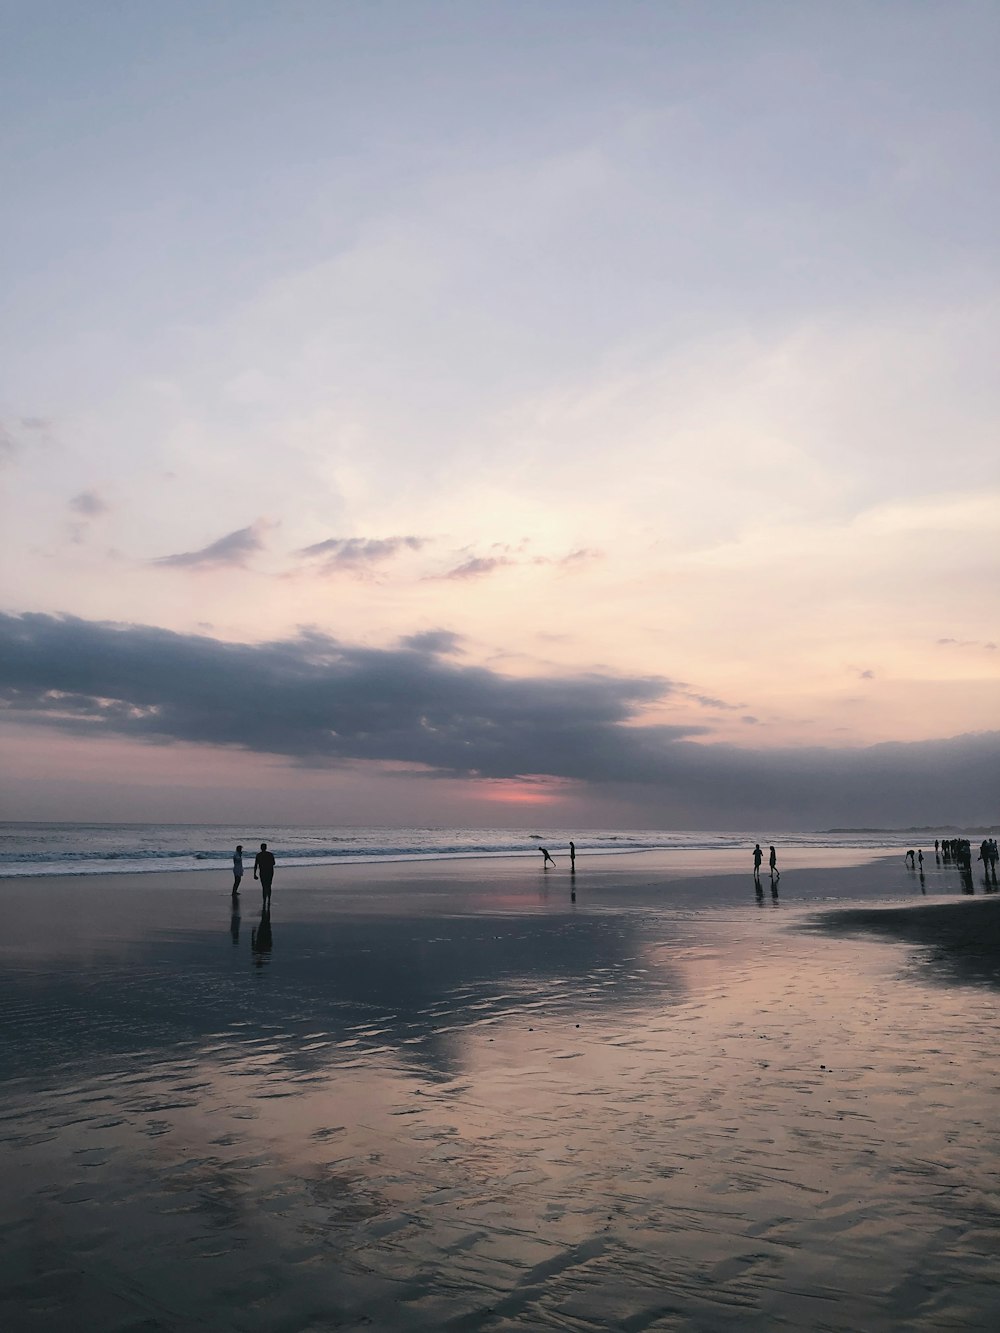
<point>420,978</point>
<point>571,1119</point>
<point>261,939</point>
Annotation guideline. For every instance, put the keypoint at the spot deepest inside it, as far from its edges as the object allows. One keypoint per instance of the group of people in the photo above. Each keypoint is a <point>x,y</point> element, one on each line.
<point>263,870</point>
<point>958,852</point>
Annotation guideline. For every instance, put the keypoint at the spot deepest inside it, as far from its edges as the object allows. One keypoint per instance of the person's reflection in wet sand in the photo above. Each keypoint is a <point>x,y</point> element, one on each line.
<point>758,889</point>
<point>968,884</point>
<point>234,921</point>
<point>774,892</point>
<point>572,883</point>
<point>923,882</point>
<point>260,939</point>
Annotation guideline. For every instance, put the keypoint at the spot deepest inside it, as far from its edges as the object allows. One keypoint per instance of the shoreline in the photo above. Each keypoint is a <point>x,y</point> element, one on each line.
<point>671,861</point>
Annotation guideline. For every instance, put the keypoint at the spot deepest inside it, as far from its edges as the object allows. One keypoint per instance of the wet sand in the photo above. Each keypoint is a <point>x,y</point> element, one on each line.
<point>450,1096</point>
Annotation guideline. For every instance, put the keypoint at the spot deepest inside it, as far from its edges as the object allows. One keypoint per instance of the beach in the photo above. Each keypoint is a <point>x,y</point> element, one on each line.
<point>479,1095</point>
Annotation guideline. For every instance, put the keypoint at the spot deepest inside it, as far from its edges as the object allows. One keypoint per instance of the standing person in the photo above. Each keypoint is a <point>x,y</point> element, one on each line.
<point>773,863</point>
<point>237,868</point>
<point>572,855</point>
<point>263,863</point>
<point>758,856</point>
<point>546,858</point>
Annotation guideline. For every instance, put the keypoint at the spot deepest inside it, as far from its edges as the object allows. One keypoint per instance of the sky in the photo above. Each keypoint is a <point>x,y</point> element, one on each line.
<point>495,413</point>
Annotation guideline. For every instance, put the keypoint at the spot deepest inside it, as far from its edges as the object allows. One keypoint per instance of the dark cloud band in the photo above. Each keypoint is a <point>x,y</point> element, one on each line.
<point>315,699</point>
<point>319,701</point>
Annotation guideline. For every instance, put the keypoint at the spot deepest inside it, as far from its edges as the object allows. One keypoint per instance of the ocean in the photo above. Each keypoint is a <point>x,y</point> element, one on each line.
<point>102,849</point>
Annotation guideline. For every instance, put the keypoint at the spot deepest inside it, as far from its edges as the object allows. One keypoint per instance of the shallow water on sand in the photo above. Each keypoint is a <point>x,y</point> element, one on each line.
<point>527,1114</point>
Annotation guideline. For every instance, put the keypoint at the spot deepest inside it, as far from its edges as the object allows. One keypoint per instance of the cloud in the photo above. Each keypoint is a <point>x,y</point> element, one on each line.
<point>232,550</point>
<point>444,641</point>
<point>18,437</point>
<point>580,556</point>
<point>319,701</point>
<point>990,646</point>
<point>89,504</point>
<point>479,566</point>
<point>476,567</point>
<point>709,701</point>
<point>356,554</point>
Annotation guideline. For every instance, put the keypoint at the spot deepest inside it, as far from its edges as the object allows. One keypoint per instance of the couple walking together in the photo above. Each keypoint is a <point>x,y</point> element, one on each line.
<point>263,869</point>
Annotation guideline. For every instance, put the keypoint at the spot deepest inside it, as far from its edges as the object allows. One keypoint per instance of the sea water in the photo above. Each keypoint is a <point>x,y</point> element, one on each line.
<point>101,849</point>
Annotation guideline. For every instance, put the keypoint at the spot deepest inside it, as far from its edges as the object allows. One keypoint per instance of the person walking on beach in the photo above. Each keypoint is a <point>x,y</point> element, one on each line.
<point>572,856</point>
<point>546,858</point>
<point>773,863</point>
<point>263,867</point>
<point>237,868</point>
<point>758,856</point>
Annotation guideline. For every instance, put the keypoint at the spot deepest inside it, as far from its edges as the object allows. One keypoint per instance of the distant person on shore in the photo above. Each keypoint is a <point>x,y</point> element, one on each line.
<point>758,856</point>
<point>237,868</point>
<point>773,863</point>
<point>546,858</point>
<point>920,859</point>
<point>572,855</point>
<point>263,868</point>
<point>909,857</point>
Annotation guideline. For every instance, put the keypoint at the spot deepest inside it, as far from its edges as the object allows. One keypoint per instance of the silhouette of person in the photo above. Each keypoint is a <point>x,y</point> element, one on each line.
<point>546,858</point>
<point>758,856</point>
<point>773,863</point>
<point>920,859</point>
<point>572,854</point>
<point>263,864</point>
<point>909,857</point>
<point>237,868</point>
